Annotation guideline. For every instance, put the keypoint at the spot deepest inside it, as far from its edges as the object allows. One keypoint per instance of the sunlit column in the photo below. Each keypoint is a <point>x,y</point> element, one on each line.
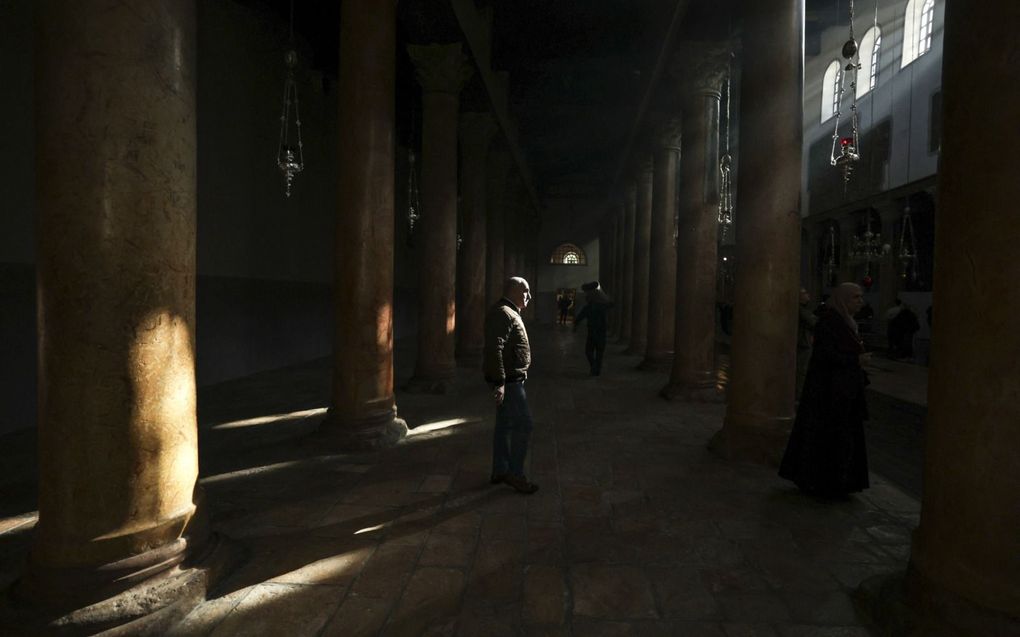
<point>441,70</point>
<point>363,412</point>
<point>642,241</point>
<point>760,396</point>
<point>693,373</point>
<point>965,559</point>
<point>116,208</point>
<point>476,131</point>
<point>662,249</point>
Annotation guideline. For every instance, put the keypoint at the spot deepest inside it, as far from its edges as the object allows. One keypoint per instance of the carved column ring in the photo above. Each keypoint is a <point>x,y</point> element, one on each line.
<point>440,68</point>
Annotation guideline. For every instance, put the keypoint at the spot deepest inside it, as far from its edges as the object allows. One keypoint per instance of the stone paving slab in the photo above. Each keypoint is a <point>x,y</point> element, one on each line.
<point>637,529</point>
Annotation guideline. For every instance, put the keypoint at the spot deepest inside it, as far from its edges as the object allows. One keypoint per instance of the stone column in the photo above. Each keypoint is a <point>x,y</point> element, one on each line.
<point>476,131</point>
<point>441,70</point>
<point>116,223</point>
<point>627,263</point>
<point>662,250</point>
<point>642,242</point>
<point>965,558</point>
<point>616,291</point>
<point>763,351</point>
<point>495,230</point>
<point>363,411</point>
<point>693,373</point>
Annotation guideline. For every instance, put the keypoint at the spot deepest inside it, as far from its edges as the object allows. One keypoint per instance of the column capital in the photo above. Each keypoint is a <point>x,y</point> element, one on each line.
<point>667,133</point>
<point>440,68</point>
<point>700,66</point>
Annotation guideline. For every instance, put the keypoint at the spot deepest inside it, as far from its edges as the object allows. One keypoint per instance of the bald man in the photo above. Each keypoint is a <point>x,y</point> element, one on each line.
<point>506,361</point>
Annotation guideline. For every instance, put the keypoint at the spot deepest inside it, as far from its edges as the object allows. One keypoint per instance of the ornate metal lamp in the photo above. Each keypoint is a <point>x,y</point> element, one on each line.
<point>725,167</point>
<point>830,265</point>
<point>907,253</point>
<point>290,158</point>
<point>846,148</point>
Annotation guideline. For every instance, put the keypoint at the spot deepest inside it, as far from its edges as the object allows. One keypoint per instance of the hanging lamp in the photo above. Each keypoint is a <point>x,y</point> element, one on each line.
<point>290,156</point>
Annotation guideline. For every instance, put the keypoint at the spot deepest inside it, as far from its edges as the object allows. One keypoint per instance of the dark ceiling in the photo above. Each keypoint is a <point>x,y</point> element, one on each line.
<point>579,69</point>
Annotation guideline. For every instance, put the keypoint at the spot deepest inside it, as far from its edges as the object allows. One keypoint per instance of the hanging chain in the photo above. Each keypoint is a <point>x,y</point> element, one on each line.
<point>849,147</point>
<point>725,216</point>
<point>413,205</point>
<point>290,159</point>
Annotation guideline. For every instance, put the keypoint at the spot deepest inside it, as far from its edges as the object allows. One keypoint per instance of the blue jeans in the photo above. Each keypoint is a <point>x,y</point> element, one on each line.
<point>513,430</point>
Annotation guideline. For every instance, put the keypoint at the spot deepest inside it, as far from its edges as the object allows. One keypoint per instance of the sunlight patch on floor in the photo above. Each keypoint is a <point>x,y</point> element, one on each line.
<point>263,420</point>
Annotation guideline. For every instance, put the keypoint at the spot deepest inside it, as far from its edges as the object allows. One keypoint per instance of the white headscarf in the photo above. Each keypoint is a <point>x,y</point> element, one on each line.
<point>840,301</point>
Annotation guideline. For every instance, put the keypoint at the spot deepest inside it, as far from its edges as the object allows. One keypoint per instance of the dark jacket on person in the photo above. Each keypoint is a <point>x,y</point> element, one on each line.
<point>507,353</point>
<point>826,452</point>
<point>596,314</point>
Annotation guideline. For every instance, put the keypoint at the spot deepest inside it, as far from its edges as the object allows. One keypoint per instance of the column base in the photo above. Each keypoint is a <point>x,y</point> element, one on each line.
<point>911,605</point>
<point>694,392</point>
<point>420,385</point>
<point>750,438</point>
<point>657,362</point>
<point>150,606</point>
<point>370,433</point>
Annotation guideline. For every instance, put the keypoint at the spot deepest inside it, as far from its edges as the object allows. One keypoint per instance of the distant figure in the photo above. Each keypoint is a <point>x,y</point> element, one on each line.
<point>506,361</point>
<point>563,303</point>
<point>805,337</point>
<point>892,334</point>
<point>904,325</point>
<point>597,304</point>
<point>826,455</point>
<point>822,307</point>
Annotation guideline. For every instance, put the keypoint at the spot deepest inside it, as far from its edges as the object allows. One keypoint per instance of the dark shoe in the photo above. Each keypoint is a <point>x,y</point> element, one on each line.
<point>496,478</point>
<point>520,483</point>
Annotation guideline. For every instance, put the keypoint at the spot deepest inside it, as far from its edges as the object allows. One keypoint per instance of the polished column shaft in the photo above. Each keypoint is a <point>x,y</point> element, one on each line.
<point>642,241</point>
<point>363,412</point>
<point>965,559</point>
<point>760,396</point>
<point>441,70</point>
<point>662,251</point>
<point>476,130</point>
<point>116,206</point>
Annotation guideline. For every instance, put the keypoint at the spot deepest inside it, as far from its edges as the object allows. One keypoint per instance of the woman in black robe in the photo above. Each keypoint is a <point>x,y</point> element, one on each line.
<point>826,453</point>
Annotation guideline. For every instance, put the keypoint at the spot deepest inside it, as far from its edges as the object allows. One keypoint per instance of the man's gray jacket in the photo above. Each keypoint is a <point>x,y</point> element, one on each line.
<point>507,351</point>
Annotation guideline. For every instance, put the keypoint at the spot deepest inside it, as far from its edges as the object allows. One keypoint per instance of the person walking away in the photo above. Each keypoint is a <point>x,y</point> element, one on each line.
<point>507,356</point>
<point>826,452</point>
<point>563,303</point>
<point>595,311</point>
<point>806,321</point>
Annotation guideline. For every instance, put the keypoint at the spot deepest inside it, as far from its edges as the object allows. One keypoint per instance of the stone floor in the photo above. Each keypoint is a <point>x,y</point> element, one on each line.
<point>637,529</point>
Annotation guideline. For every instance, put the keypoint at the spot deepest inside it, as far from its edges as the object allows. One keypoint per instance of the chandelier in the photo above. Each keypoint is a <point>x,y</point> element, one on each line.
<point>290,156</point>
<point>725,217</point>
<point>846,148</point>
<point>867,247</point>
<point>413,202</point>
<point>907,253</point>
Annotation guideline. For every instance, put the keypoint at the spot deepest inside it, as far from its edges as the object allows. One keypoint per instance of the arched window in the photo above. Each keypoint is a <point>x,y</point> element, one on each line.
<point>918,26</point>
<point>830,89</point>
<point>568,254</point>
<point>867,77</point>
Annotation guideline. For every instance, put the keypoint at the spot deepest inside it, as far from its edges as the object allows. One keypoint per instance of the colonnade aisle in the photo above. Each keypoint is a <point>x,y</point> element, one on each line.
<point>636,530</point>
